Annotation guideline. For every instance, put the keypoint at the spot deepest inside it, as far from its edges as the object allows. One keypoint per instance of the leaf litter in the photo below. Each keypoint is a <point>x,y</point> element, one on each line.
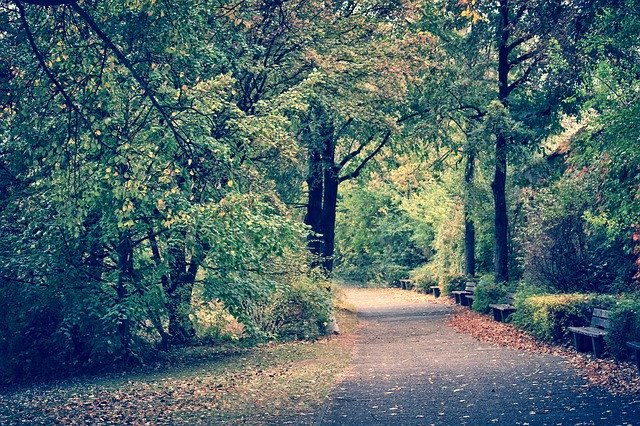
<point>617,377</point>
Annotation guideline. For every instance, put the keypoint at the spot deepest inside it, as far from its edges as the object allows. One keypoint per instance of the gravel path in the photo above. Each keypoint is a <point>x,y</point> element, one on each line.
<point>409,368</point>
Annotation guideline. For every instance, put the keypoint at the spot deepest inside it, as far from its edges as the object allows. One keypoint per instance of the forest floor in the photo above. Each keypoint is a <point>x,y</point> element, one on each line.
<point>420,360</point>
<point>283,383</point>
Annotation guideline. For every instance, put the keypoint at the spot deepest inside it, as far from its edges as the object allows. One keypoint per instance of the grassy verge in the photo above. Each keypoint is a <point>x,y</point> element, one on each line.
<point>275,383</point>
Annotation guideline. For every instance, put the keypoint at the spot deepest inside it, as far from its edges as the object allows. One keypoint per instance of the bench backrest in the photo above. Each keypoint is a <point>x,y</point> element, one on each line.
<point>510,298</point>
<point>600,318</point>
<point>471,286</point>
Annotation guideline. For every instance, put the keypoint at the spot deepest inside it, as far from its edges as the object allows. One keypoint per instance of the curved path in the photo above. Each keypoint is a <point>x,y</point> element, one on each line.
<point>409,368</point>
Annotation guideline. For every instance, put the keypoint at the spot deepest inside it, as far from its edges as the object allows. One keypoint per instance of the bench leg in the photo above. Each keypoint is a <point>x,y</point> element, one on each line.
<point>598,346</point>
<point>497,315</point>
<point>436,292</point>
<point>578,342</point>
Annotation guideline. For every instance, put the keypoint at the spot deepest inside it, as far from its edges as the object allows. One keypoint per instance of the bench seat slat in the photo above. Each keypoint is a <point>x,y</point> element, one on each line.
<point>588,331</point>
<point>601,313</point>
<point>634,345</point>
<point>502,306</point>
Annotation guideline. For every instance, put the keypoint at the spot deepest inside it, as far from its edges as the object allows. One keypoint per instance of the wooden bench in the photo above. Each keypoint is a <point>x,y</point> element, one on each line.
<point>636,350</point>
<point>461,295</point>
<point>501,311</point>
<point>406,284</point>
<point>592,337</point>
<point>435,290</point>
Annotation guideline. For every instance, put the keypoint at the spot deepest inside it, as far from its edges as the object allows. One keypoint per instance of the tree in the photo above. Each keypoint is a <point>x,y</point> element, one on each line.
<point>362,99</point>
<point>123,136</point>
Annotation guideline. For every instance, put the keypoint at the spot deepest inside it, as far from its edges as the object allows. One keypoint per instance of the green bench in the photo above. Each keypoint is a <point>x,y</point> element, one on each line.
<point>502,311</point>
<point>462,296</point>
<point>592,338</point>
<point>635,346</point>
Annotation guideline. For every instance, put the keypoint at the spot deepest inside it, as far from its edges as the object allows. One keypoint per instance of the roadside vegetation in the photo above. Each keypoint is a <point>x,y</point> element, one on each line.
<point>194,175</point>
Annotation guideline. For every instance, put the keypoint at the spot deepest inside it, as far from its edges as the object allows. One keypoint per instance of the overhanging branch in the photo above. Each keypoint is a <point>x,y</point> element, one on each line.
<point>364,162</point>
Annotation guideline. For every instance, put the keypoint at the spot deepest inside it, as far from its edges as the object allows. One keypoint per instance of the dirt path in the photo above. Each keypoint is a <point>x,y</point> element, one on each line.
<point>410,368</point>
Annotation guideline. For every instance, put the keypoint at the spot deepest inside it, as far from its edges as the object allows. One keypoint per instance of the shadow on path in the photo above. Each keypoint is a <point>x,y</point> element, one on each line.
<point>409,368</point>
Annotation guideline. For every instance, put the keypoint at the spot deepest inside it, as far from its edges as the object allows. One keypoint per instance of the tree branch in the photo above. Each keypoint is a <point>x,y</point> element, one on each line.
<point>354,153</point>
<point>521,80</point>
<point>123,59</point>
<point>522,58</point>
<point>358,169</point>
<point>518,42</point>
<point>52,77</point>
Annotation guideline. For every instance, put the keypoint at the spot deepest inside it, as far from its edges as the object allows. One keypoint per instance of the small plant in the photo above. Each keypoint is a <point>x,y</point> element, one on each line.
<point>487,293</point>
<point>547,316</point>
<point>453,283</point>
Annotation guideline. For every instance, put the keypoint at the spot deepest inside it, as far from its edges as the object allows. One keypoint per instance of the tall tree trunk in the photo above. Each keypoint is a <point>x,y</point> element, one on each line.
<point>313,216</point>
<point>469,226</point>
<point>498,186</point>
<point>178,293</point>
<point>501,222</point>
<point>329,216</point>
<point>329,194</point>
<point>125,277</point>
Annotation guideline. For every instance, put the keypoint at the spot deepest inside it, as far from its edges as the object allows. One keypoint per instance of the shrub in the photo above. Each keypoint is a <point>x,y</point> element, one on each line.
<point>423,278</point>
<point>486,293</point>
<point>624,327</point>
<point>547,316</point>
<point>302,310</point>
<point>453,283</point>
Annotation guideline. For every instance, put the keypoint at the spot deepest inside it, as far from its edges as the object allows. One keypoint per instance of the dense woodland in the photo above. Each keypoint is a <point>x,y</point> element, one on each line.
<point>200,172</point>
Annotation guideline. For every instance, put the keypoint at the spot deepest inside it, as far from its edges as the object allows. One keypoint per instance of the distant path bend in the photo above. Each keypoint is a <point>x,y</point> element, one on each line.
<point>410,368</point>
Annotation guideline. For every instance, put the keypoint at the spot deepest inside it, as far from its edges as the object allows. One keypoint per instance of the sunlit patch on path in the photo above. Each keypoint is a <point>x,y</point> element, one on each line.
<point>411,368</point>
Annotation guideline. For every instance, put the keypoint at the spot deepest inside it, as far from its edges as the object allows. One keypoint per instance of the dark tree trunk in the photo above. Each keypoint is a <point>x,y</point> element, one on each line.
<point>125,278</point>
<point>329,194</point>
<point>329,217</point>
<point>178,293</point>
<point>501,222</point>
<point>498,186</point>
<point>469,226</point>
<point>313,216</point>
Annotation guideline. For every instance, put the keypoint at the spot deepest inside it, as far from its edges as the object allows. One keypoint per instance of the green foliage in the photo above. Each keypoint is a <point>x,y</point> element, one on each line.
<point>487,292</point>
<point>374,237</point>
<point>565,247</point>
<point>624,320</point>
<point>547,316</point>
<point>453,283</point>
<point>303,309</point>
<point>424,278</point>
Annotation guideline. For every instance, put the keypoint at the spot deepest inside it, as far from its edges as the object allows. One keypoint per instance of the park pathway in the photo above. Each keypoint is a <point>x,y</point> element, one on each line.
<point>410,368</point>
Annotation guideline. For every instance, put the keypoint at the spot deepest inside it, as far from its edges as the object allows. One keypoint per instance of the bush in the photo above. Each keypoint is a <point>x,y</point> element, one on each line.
<point>624,327</point>
<point>547,316</point>
<point>453,283</point>
<point>423,278</point>
<point>486,293</point>
<point>302,310</point>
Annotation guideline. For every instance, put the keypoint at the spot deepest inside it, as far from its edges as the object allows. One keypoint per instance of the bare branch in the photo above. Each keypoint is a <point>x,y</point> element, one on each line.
<point>364,162</point>
<point>354,153</point>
